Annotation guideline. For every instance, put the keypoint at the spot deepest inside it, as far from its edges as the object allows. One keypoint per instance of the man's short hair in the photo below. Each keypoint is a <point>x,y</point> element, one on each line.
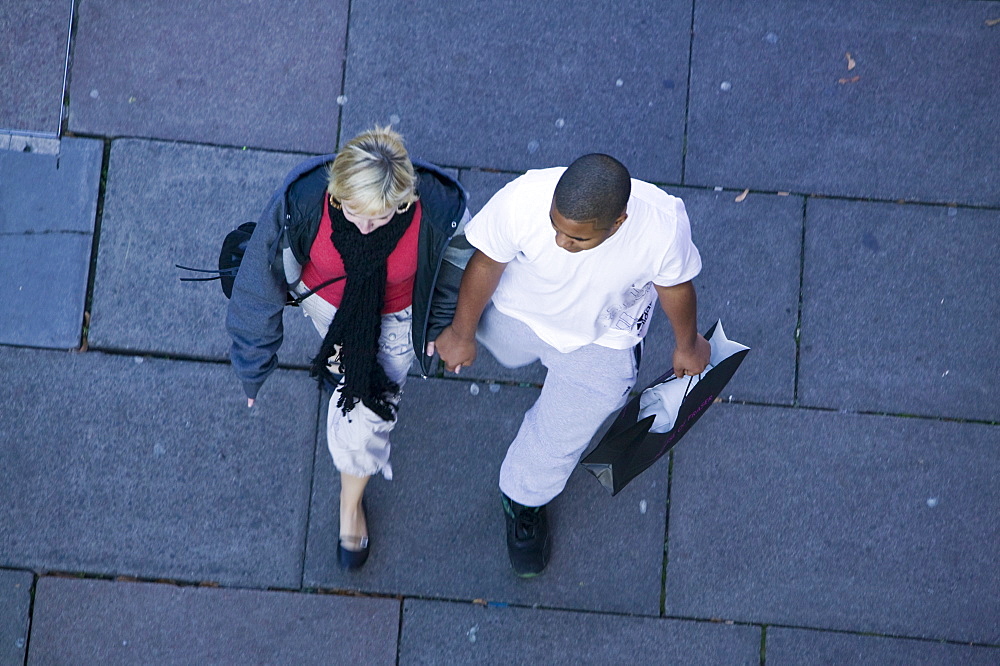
<point>594,187</point>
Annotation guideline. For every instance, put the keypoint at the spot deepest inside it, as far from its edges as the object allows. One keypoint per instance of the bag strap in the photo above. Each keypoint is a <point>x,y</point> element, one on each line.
<point>295,302</point>
<point>219,274</point>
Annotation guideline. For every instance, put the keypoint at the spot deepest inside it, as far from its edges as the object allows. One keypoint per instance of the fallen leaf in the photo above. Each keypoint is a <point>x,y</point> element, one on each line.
<point>853,79</point>
<point>742,195</point>
<point>850,62</point>
<point>992,22</point>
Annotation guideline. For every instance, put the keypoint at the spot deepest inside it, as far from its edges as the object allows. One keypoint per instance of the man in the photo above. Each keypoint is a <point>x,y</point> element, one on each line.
<point>567,266</point>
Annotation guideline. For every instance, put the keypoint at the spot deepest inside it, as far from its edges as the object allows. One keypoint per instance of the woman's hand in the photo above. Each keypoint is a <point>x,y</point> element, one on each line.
<point>455,350</point>
<point>457,343</point>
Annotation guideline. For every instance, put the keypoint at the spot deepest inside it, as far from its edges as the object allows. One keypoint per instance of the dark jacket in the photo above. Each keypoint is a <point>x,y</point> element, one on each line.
<point>280,245</point>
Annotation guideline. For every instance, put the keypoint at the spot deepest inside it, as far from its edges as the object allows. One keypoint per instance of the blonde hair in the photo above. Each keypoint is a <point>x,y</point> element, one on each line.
<point>373,172</point>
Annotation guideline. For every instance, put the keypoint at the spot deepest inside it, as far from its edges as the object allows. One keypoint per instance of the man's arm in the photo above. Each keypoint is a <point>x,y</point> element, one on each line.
<point>680,303</point>
<point>457,343</point>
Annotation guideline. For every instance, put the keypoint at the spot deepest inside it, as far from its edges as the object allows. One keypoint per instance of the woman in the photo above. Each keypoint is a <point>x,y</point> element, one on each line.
<point>373,243</point>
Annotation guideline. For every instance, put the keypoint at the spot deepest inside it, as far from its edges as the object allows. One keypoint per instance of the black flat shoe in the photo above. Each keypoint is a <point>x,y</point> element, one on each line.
<point>352,559</point>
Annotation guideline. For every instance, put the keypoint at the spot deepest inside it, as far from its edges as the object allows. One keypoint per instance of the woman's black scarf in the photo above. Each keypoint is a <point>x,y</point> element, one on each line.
<point>357,326</point>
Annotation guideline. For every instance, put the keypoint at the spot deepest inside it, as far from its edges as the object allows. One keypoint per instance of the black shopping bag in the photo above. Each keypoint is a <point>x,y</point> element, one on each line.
<point>656,419</point>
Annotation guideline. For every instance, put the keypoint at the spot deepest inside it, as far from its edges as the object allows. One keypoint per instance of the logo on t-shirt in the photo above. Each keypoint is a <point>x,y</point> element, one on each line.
<point>643,318</point>
<point>630,314</point>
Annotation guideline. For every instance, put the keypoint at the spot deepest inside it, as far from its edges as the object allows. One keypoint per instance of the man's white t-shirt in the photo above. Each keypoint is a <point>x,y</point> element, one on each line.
<point>604,295</point>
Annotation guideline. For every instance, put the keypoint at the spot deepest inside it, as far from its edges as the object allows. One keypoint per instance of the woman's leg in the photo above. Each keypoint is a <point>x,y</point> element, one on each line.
<point>353,526</point>
<point>359,440</point>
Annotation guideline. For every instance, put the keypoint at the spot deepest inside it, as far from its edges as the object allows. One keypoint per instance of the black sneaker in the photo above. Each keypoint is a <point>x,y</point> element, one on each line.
<point>528,543</point>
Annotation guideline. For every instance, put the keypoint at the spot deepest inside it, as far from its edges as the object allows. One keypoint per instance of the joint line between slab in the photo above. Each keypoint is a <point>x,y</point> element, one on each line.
<point>862,412</point>
<point>878,634</point>
<point>343,73</point>
<point>666,538</point>
<point>312,481</point>
<point>66,67</point>
<point>190,142</point>
<point>173,356</point>
<point>399,631</point>
<point>798,321</point>
<point>47,232</point>
<point>687,102</point>
<point>353,593</point>
<point>95,242</point>
<point>31,615</point>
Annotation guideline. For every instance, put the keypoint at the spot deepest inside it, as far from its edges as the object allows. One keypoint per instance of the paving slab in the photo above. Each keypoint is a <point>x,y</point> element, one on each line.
<point>153,468</point>
<point>15,615</point>
<point>439,632</point>
<point>170,203</point>
<point>897,307</point>
<point>750,254</point>
<point>48,205</point>
<point>43,286</point>
<point>437,529</point>
<point>33,41</point>
<point>50,193</point>
<point>775,104</point>
<point>482,185</point>
<point>233,72</point>
<point>838,521</point>
<point>799,646</point>
<point>98,621</point>
<point>514,86</point>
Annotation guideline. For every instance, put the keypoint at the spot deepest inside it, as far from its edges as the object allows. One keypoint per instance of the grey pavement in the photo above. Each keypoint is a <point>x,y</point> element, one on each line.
<point>47,213</point>
<point>33,64</point>
<point>838,162</point>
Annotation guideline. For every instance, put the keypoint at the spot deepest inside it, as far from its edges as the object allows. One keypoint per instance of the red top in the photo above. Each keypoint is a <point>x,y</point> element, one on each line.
<point>325,263</point>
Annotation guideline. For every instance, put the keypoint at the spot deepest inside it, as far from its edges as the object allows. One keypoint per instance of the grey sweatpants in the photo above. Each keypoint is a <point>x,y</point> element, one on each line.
<point>582,388</point>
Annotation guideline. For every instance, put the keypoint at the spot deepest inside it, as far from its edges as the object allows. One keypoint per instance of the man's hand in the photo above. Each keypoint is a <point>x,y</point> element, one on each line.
<point>692,361</point>
<point>454,349</point>
<point>457,344</point>
<point>680,304</point>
